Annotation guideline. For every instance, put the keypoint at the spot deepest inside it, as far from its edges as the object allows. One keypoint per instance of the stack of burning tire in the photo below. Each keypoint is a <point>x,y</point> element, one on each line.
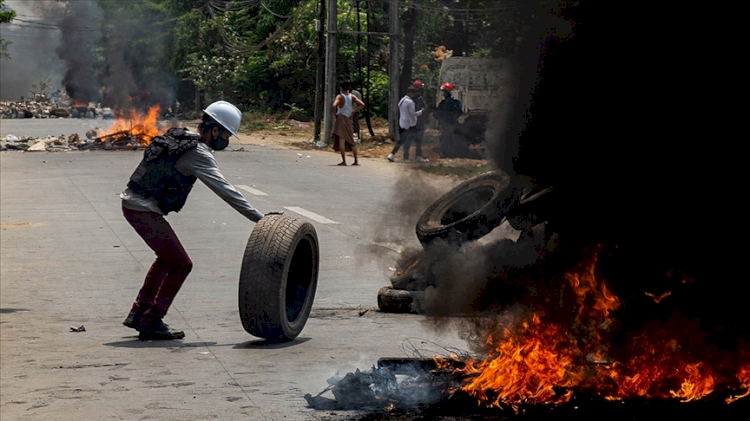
<point>465,214</point>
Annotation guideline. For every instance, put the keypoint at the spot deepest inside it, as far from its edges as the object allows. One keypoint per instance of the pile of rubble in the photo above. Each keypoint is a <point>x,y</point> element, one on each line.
<point>55,106</point>
<point>94,140</point>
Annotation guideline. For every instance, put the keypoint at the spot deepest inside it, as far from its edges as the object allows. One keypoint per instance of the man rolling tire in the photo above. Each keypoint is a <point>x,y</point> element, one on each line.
<point>161,184</point>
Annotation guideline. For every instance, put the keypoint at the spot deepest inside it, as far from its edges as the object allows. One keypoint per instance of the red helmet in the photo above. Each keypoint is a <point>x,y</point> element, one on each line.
<point>418,84</point>
<point>447,86</point>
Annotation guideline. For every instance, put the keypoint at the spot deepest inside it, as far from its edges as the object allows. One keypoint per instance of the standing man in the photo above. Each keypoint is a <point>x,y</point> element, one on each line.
<point>343,135</point>
<point>418,135</point>
<point>161,184</point>
<point>407,120</point>
<point>447,114</point>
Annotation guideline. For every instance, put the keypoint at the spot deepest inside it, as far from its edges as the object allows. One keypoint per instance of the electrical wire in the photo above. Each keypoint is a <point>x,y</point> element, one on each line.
<point>272,12</point>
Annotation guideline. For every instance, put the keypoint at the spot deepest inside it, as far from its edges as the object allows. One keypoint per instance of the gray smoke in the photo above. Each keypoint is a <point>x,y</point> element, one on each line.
<point>136,70</point>
<point>32,52</point>
<point>79,39</point>
<point>115,55</point>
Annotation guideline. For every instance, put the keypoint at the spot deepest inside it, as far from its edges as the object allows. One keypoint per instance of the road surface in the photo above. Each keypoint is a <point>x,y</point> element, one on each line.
<point>69,259</point>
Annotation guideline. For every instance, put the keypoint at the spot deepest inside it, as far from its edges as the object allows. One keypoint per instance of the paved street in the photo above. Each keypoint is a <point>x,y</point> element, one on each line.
<point>69,258</point>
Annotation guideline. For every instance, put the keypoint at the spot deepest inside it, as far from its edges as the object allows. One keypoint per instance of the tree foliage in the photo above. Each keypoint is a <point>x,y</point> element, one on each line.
<point>263,54</point>
<point>6,16</point>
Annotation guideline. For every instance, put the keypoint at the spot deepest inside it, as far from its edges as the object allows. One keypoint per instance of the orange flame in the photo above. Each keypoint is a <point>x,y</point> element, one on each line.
<point>524,366</point>
<point>543,362</point>
<point>744,377</point>
<point>139,126</point>
<point>658,299</point>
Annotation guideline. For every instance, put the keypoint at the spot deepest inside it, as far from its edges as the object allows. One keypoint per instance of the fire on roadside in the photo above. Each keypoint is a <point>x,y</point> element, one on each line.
<point>537,360</point>
<point>137,127</point>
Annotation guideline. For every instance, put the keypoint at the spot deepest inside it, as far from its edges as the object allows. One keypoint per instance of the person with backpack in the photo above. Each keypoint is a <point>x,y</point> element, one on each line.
<point>161,184</point>
<point>447,114</point>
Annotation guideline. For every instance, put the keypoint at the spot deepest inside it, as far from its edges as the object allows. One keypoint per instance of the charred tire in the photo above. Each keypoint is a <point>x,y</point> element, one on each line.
<point>278,278</point>
<point>391,300</point>
<point>467,212</point>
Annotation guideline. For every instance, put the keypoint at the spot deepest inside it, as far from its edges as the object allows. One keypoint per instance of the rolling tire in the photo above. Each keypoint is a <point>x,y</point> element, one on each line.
<point>278,278</point>
<point>467,212</point>
<point>391,300</point>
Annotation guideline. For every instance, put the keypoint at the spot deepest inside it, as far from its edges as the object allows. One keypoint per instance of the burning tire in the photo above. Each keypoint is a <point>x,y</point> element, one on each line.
<point>469,211</point>
<point>278,278</point>
<point>391,300</point>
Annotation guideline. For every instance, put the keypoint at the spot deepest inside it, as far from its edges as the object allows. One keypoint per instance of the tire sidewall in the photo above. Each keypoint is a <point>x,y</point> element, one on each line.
<point>485,218</point>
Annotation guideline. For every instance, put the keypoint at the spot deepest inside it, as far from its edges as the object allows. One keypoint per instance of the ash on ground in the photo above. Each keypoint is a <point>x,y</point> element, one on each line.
<point>408,385</point>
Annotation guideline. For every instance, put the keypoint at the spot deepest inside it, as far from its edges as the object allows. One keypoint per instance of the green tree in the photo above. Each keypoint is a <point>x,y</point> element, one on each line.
<point>6,16</point>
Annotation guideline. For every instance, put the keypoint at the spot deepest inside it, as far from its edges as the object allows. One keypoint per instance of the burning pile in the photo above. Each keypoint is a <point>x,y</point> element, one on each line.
<point>539,359</point>
<point>133,132</point>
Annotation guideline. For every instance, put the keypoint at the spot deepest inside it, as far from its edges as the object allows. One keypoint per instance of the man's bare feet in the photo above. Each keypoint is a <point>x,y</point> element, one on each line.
<point>355,163</point>
<point>343,164</point>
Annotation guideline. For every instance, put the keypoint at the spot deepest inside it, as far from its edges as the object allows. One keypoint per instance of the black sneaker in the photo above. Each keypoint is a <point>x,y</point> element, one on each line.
<point>133,320</point>
<point>159,330</point>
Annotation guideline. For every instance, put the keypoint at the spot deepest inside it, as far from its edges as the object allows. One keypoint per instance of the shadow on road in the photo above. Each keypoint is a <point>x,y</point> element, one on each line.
<point>266,344</point>
<point>11,310</point>
<point>134,342</point>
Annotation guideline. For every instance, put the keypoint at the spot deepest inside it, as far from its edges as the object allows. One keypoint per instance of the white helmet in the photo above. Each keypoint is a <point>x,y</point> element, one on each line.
<point>225,114</point>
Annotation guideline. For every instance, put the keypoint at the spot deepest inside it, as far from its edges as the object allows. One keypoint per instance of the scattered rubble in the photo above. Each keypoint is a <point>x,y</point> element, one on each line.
<point>93,140</point>
<point>56,105</point>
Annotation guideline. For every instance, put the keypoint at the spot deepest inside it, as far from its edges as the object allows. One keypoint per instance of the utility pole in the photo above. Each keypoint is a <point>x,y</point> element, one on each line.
<point>320,71</point>
<point>330,82</point>
<point>393,74</point>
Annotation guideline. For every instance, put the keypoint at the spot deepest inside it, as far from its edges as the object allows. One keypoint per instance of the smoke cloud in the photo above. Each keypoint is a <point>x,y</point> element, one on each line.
<point>77,49</point>
<point>32,52</point>
<point>112,54</point>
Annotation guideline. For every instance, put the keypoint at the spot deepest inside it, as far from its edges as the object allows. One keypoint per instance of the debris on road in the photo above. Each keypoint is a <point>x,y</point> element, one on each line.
<point>405,384</point>
<point>80,328</point>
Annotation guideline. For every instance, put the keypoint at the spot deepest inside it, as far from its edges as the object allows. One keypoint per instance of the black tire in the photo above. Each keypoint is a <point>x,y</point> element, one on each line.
<point>467,212</point>
<point>278,278</point>
<point>391,300</point>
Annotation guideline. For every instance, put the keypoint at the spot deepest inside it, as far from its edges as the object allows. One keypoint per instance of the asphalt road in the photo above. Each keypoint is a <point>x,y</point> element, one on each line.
<point>68,258</point>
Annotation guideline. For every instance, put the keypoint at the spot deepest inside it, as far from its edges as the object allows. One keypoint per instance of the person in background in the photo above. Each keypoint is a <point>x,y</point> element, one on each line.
<point>344,106</point>
<point>418,133</point>
<point>447,114</point>
<point>407,121</point>
<point>355,116</point>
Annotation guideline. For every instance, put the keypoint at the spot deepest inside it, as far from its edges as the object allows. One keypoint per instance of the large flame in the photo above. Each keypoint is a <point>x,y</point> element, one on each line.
<point>524,366</point>
<point>538,361</point>
<point>142,127</point>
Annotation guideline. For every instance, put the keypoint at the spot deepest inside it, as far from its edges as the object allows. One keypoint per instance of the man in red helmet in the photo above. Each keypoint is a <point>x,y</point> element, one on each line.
<point>447,114</point>
<point>418,135</point>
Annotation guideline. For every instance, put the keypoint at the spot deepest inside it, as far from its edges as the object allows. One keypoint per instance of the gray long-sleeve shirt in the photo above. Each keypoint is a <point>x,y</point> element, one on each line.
<point>198,162</point>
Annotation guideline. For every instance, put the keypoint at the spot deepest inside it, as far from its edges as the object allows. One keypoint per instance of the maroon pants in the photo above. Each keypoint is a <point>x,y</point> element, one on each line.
<point>169,270</point>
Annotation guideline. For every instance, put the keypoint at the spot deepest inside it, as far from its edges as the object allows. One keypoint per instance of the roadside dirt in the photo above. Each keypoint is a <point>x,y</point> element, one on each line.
<point>378,147</point>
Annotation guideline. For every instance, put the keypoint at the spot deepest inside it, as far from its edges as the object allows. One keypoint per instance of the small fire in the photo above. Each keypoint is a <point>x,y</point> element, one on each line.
<point>658,299</point>
<point>540,361</point>
<point>138,126</point>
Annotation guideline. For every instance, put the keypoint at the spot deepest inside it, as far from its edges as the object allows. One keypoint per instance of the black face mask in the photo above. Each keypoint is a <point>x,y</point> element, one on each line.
<point>220,143</point>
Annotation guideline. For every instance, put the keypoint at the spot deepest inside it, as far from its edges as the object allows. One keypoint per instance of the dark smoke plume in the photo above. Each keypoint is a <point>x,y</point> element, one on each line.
<point>77,48</point>
<point>638,165</point>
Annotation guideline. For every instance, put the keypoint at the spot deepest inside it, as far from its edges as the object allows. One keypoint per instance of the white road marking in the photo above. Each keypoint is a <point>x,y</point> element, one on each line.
<point>251,190</point>
<point>314,216</point>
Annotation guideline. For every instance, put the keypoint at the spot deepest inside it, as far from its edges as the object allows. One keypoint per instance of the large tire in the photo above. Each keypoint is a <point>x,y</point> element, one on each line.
<point>467,212</point>
<point>278,278</point>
